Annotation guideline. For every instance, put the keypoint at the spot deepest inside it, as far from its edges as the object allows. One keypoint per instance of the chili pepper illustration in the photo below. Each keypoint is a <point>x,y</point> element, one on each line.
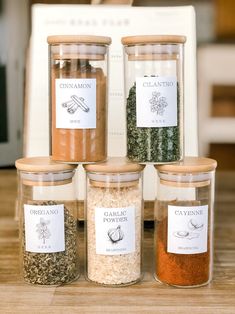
<point>195,225</point>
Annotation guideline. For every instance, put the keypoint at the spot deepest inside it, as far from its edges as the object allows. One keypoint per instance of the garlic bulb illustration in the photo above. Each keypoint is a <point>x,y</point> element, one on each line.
<point>115,234</point>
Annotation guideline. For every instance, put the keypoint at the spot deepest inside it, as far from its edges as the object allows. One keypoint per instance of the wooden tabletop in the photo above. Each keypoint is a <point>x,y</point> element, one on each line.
<point>147,296</point>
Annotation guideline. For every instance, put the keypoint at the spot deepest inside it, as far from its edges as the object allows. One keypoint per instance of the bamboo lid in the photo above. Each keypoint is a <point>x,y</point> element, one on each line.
<point>114,165</point>
<point>42,164</point>
<point>78,39</point>
<point>153,39</point>
<point>190,165</point>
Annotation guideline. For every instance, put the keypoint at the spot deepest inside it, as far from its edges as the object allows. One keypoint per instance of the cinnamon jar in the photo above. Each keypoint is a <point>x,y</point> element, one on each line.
<point>78,97</point>
<point>184,214</point>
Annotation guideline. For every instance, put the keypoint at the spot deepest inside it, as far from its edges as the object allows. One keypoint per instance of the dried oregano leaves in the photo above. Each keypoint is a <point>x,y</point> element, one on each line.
<point>151,144</point>
<point>53,268</point>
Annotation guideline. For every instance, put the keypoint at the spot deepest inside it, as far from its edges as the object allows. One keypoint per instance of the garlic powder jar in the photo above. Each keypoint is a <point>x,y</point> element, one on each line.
<point>114,222</point>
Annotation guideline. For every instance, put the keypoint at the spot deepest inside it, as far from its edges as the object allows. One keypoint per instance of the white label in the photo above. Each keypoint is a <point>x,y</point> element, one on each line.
<point>115,230</point>
<point>76,103</point>
<point>44,228</point>
<point>187,229</point>
<point>156,101</point>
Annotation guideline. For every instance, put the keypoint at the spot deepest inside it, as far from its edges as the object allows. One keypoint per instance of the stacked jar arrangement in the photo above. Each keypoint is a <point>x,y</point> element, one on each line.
<point>183,234</point>
<point>47,191</point>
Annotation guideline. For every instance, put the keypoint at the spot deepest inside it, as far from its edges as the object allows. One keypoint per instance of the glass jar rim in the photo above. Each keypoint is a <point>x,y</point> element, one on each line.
<point>47,178</point>
<point>185,180</point>
<point>114,177</point>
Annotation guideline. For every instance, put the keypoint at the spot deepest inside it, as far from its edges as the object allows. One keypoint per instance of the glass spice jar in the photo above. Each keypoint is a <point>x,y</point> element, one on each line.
<point>184,222</point>
<point>78,97</point>
<point>155,97</point>
<point>47,221</point>
<point>114,222</point>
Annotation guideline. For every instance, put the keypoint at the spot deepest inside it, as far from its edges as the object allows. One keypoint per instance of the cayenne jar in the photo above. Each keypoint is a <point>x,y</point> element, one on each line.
<point>48,221</point>
<point>78,97</point>
<point>184,222</point>
<point>114,222</point>
<point>154,97</point>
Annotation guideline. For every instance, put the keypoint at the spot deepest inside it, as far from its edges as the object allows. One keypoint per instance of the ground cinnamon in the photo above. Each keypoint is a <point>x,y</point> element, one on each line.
<point>79,145</point>
<point>179,269</point>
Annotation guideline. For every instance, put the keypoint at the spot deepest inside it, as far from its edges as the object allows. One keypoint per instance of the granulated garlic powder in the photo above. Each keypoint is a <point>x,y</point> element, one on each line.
<point>114,234</point>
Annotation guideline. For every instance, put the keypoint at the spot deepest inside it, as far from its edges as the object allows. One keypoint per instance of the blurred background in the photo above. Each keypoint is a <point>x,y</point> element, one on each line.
<point>215,62</point>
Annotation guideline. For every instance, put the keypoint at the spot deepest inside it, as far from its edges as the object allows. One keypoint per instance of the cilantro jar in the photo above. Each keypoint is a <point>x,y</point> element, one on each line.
<point>154,97</point>
<point>114,222</point>
<point>47,221</point>
<point>184,214</point>
<point>78,97</point>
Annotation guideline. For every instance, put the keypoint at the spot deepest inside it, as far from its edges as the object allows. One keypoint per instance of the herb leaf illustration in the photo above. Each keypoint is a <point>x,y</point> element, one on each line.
<point>43,230</point>
<point>158,104</point>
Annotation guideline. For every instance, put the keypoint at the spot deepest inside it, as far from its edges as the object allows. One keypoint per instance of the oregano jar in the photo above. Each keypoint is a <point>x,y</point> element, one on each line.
<point>114,222</point>
<point>47,221</point>
<point>154,97</point>
<point>184,215</point>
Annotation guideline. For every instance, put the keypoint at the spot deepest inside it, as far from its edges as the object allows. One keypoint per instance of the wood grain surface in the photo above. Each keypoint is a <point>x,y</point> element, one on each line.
<point>147,296</point>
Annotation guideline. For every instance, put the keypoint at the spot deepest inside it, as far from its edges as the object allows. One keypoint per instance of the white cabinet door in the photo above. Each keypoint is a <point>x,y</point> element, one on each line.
<point>11,117</point>
<point>14,36</point>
